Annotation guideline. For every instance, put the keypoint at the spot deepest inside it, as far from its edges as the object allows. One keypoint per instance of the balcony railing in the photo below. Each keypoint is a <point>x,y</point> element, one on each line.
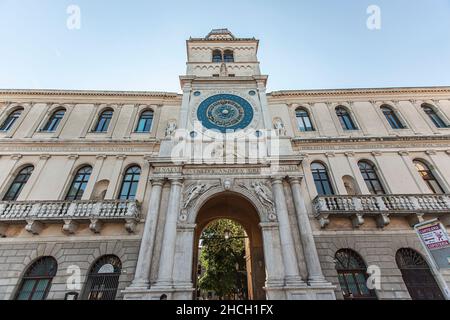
<point>70,213</point>
<point>381,207</point>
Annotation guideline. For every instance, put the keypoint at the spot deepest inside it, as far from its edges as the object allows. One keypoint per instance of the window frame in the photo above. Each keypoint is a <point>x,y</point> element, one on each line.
<point>17,193</point>
<point>370,175</point>
<point>140,118</point>
<point>79,189</point>
<point>308,116</point>
<point>350,119</point>
<point>214,56</point>
<point>132,182</point>
<point>94,278</point>
<point>48,277</point>
<point>434,116</point>
<point>323,175</point>
<point>428,175</point>
<point>106,124</point>
<point>53,122</point>
<point>10,120</point>
<point>355,272</point>
<point>392,117</point>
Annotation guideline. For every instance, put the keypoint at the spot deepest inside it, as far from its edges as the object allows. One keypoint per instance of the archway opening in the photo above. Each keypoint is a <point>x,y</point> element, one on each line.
<point>229,224</point>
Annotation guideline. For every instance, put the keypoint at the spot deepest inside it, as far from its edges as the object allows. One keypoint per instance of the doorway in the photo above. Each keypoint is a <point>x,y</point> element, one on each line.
<point>228,236</point>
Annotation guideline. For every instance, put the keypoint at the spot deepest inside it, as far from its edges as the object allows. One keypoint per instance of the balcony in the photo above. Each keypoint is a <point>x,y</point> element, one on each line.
<point>381,207</point>
<point>69,213</point>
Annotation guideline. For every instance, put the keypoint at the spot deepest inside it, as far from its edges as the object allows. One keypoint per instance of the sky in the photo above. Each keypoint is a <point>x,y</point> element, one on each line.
<point>139,45</point>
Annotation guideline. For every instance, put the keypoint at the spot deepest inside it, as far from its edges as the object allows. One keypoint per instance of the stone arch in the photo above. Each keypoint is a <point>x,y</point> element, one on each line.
<point>239,205</point>
<point>236,190</point>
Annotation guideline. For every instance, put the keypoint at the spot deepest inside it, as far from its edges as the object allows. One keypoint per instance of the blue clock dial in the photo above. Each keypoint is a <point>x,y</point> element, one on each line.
<point>225,113</point>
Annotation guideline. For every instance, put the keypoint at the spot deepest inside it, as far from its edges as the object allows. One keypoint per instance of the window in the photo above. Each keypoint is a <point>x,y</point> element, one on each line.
<point>37,280</point>
<point>54,121</point>
<point>79,184</point>
<point>145,122</point>
<point>103,279</point>
<point>10,120</point>
<point>417,276</point>
<point>103,121</point>
<point>346,119</point>
<point>217,56</point>
<point>130,183</point>
<point>303,120</point>
<point>321,179</point>
<point>19,182</point>
<point>371,177</point>
<point>428,176</point>
<point>392,118</point>
<point>437,120</point>
<point>352,274</point>
<point>228,56</point>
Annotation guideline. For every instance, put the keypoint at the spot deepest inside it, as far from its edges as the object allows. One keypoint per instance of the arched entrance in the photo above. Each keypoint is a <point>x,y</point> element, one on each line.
<point>417,276</point>
<point>232,206</point>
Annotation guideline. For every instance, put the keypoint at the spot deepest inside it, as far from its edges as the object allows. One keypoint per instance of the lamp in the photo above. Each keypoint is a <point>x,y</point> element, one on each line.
<point>227,234</point>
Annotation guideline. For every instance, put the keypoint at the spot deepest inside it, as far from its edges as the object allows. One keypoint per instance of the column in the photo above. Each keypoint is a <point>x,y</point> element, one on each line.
<point>313,266</point>
<point>170,233</point>
<point>292,275</point>
<point>141,277</point>
<point>187,88</point>
<point>273,257</point>
<point>261,84</point>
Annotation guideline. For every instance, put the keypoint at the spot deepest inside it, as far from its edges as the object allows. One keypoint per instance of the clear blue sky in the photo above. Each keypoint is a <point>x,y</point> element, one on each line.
<point>140,45</point>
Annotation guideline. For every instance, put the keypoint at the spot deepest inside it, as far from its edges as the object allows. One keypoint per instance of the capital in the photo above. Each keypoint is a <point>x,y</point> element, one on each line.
<point>295,180</point>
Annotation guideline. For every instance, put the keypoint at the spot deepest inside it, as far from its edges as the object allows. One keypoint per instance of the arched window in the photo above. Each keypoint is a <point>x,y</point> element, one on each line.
<point>303,120</point>
<point>17,185</point>
<point>392,118</point>
<point>321,179</point>
<point>54,121</point>
<point>228,56</point>
<point>417,276</point>
<point>103,279</point>
<point>370,176</point>
<point>428,176</point>
<point>217,56</point>
<point>79,184</point>
<point>104,120</point>
<point>37,280</point>
<point>346,119</point>
<point>10,120</point>
<point>130,183</point>
<point>437,120</point>
<point>352,274</point>
<point>145,122</point>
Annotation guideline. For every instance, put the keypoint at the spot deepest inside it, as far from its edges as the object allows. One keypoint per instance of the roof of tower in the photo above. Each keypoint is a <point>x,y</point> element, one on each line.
<point>222,34</point>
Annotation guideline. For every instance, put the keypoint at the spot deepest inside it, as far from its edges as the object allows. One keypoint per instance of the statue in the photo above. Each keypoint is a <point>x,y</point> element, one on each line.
<point>194,194</point>
<point>262,194</point>
<point>171,127</point>
<point>279,127</point>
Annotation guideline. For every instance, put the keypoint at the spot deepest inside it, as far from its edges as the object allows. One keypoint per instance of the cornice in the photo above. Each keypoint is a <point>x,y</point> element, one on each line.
<point>301,141</point>
<point>358,92</point>
<point>90,93</point>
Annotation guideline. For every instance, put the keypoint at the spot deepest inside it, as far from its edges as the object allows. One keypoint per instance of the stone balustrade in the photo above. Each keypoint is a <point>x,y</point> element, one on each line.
<point>37,213</point>
<point>413,207</point>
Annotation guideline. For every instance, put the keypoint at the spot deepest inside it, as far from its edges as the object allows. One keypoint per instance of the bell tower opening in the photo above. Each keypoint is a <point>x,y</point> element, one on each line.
<point>228,236</point>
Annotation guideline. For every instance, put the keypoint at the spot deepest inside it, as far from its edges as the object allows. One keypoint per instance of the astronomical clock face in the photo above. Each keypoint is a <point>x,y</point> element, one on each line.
<point>225,113</point>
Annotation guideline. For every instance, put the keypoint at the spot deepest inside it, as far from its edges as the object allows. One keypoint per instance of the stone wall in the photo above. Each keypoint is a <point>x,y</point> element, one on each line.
<point>16,256</point>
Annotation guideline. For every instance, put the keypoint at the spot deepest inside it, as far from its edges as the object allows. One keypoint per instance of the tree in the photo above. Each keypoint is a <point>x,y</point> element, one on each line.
<point>220,256</point>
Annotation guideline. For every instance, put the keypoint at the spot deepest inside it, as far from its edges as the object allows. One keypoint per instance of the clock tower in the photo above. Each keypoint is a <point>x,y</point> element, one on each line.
<point>223,89</point>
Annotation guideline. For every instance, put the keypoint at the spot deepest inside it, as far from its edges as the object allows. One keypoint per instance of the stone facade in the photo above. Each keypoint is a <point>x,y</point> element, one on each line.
<point>268,186</point>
